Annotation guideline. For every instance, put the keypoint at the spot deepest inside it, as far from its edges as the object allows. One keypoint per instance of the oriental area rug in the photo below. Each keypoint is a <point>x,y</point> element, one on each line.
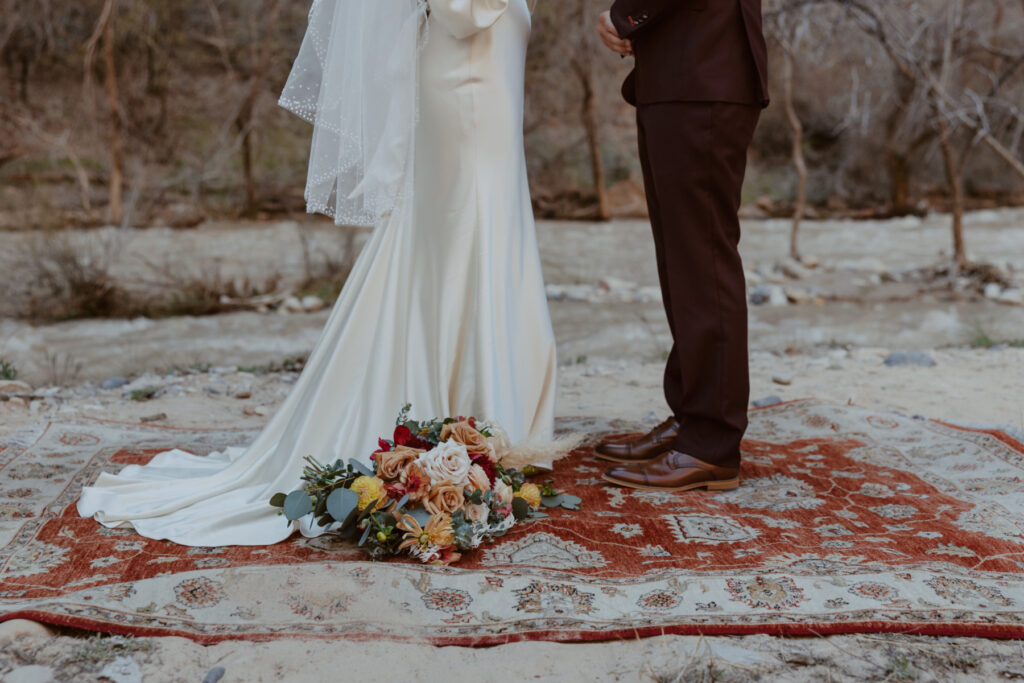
<point>847,520</point>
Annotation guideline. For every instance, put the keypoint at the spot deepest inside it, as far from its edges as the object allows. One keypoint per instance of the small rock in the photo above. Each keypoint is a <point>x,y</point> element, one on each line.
<point>312,304</point>
<point>242,395</point>
<point>22,628</point>
<point>992,290</point>
<point>794,270</point>
<point>773,295</point>
<point>1014,297</point>
<point>797,295</point>
<point>811,261</point>
<point>767,401</point>
<point>215,674</point>
<point>11,386</point>
<point>213,391</point>
<point>256,411</point>
<point>291,305</point>
<point>122,670</point>
<point>30,674</point>
<point>783,379</point>
<point>153,418</point>
<point>17,402</point>
<point>224,370</point>
<point>113,383</point>
<point>907,358</point>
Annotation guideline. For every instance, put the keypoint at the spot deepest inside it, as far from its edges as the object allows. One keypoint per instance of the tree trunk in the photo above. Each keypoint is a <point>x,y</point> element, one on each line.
<point>246,120</point>
<point>956,190</point>
<point>799,162</point>
<point>116,184</point>
<point>899,183</point>
<point>588,117</point>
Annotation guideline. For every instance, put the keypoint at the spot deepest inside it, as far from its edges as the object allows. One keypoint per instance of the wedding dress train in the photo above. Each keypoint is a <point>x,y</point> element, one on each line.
<point>445,309</point>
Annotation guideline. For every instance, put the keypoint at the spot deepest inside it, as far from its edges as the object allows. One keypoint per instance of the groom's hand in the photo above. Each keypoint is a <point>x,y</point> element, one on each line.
<point>610,36</point>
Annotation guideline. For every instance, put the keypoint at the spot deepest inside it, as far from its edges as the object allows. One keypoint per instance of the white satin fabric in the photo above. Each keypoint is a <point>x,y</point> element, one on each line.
<point>445,309</point>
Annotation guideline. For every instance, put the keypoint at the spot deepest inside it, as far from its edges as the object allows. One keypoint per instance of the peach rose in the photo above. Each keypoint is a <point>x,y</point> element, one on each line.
<point>478,480</point>
<point>503,493</point>
<point>445,498</point>
<point>391,464</point>
<point>468,436</point>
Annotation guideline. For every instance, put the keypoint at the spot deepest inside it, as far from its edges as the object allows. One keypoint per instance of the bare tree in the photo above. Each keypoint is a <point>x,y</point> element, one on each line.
<point>104,32</point>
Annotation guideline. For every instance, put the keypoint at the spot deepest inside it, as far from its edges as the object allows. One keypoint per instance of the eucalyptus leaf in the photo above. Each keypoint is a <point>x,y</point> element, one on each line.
<point>571,500</point>
<point>551,501</point>
<point>349,522</point>
<point>421,516</point>
<point>366,535</point>
<point>297,505</point>
<point>341,503</point>
<point>361,468</point>
<point>402,503</point>
<point>520,508</point>
<point>278,500</point>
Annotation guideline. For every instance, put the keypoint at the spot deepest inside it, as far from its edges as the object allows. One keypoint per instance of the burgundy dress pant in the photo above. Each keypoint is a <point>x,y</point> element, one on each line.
<point>694,157</point>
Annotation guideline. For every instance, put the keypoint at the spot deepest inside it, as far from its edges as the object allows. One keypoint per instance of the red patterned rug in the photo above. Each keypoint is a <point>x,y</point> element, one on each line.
<point>847,521</point>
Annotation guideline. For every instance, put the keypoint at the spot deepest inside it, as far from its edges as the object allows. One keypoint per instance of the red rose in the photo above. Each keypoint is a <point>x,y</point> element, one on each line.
<point>405,437</point>
<point>402,435</point>
<point>486,465</point>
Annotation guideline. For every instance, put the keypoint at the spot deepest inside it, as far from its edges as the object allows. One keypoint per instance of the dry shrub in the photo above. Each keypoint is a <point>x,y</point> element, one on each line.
<point>63,275</point>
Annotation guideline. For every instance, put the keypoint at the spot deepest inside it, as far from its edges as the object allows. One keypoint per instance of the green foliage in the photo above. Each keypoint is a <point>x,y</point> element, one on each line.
<point>144,394</point>
<point>102,649</point>
<point>7,370</point>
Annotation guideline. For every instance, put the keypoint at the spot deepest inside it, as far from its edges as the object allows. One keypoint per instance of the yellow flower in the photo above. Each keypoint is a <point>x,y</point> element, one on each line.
<point>370,489</point>
<point>530,493</point>
<point>438,532</point>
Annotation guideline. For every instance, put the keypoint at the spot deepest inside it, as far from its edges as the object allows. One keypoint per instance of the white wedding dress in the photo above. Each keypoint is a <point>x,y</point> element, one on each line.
<point>445,309</point>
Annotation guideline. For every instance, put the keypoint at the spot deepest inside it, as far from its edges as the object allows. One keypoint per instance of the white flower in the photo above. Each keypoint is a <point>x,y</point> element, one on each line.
<point>499,441</point>
<point>447,463</point>
<point>477,513</point>
<point>503,493</point>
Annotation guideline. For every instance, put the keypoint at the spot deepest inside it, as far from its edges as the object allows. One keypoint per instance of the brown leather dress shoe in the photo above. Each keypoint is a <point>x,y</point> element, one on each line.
<point>674,471</point>
<point>647,447</point>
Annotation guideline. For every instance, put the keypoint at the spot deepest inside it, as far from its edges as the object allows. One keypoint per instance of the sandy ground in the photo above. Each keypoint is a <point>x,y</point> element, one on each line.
<point>612,341</point>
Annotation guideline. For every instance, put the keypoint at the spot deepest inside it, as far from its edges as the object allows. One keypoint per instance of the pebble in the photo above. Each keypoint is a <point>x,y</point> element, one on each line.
<point>773,295</point>
<point>11,386</point>
<point>153,418</point>
<point>312,304</point>
<point>783,379</point>
<point>256,411</point>
<point>213,391</point>
<point>22,628</point>
<point>291,305</point>
<point>1012,296</point>
<point>30,674</point>
<point>215,674</point>
<point>992,290</point>
<point>907,358</point>
<point>767,401</point>
<point>113,383</point>
<point>224,370</point>
<point>122,670</point>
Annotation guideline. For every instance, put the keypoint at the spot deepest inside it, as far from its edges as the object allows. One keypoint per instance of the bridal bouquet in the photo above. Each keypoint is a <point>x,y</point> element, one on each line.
<point>436,489</point>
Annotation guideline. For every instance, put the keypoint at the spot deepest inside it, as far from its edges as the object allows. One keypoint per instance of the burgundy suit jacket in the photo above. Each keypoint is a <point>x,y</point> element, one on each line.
<point>694,51</point>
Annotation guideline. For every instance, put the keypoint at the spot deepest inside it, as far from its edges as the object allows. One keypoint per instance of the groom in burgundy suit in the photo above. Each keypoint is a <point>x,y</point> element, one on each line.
<point>699,84</point>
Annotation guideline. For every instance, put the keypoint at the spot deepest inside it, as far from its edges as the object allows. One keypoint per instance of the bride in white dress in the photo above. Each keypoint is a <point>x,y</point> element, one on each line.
<point>445,307</point>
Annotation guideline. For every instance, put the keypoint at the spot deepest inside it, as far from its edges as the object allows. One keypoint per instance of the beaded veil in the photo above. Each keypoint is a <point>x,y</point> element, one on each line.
<point>355,79</point>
